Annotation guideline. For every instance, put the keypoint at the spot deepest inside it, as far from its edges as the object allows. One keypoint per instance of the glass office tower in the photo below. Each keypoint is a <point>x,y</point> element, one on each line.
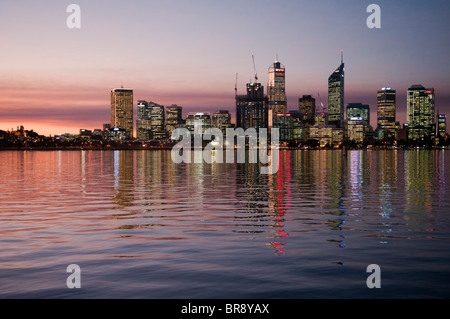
<point>420,113</point>
<point>251,109</point>
<point>276,90</point>
<point>336,96</point>
<point>386,109</point>
<point>122,110</point>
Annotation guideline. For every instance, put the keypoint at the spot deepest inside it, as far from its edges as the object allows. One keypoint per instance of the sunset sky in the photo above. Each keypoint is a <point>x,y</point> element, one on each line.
<point>56,80</point>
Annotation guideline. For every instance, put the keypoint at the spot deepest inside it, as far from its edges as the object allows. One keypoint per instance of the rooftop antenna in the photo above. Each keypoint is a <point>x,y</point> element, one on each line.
<point>254,69</point>
<point>342,56</point>
<point>235,84</point>
<point>277,58</point>
<point>121,84</point>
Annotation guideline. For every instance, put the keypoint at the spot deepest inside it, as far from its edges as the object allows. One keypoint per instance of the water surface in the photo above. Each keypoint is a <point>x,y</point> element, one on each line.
<point>141,226</point>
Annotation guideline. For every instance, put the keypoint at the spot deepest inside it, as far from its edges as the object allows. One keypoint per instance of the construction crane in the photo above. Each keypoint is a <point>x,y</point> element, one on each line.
<point>254,69</point>
<point>321,104</point>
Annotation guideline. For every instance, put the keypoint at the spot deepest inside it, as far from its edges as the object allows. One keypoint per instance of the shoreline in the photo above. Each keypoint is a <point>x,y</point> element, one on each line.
<point>162,148</point>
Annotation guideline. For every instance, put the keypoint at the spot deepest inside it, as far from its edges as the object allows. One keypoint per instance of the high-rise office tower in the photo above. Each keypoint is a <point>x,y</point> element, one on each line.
<point>307,109</point>
<point>358,111</point>
<point>122,110</point>
<point>174,118</point>
<point>356,129</point>
<point>157,118</point>
<point>420,113</point>
<point>276,90</point>
<point>251,109</point>
<point>197,123</point>
<point>386,108</point>
<point>143,122</point>
<point>221,120</point>
<point>289,125</point>
<point>336,96</point>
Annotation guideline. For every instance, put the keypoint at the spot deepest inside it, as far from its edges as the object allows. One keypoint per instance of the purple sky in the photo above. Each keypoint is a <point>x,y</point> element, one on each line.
<point>55,80</point>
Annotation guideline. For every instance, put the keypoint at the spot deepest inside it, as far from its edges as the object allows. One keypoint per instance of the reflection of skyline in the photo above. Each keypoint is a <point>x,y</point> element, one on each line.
<point>387,166</point>
<point>280,200</point>
<point>216,229</point>
<point>123,178</point>
<point>309,184</point>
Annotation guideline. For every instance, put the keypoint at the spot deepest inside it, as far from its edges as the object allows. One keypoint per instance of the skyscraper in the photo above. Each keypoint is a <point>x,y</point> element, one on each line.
<point>336,96</point>
<point>289,125</point>
<point>143,122</point>
<point>221,120</point>
<point>358,111</point>
<point>198,123</point>
<point>174,118</point>
<point>307,109</point>
<point>276,90</point>
<point>122,110</point>
<point>386,108</point>
<point>420,112</point>
<point>356,129</point>
<point>251,109</point>
<point>157,118</point>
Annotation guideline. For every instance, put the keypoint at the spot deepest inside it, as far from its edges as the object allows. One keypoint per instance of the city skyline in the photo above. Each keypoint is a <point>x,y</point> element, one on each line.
<point>190,55</point>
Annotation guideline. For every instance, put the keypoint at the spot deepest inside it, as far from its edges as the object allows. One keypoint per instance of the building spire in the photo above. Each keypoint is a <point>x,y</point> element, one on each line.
<point>342,56</point>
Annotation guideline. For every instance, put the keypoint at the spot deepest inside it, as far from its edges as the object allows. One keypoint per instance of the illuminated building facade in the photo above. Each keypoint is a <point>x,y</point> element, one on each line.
<point>336,96</point>
<point>324,134</point>
<point>197,123</point>
<point>420,114</point>
<point>174,118</point>
<point>441,126</point>
<point>289,126</point>
<point>356,129</point>
<point>386,109</point>
<point>321,118</point>
<point>358,110</point>
<point>307,109</point>
<point>251,109</point>
<point>157,118</point>
<point>143,122</point>
<point>122,110</point>
<point>221,120</point>
<point>276,90</point>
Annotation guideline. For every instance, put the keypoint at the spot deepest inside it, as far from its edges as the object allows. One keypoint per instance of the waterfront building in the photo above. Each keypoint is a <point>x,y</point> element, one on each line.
<point>322,133</point>
<point>276,89</point>
<point>143,122</point>
<point>222,120</point>
<point>386,114</point>
<point>174,118</point>
<point>356,129</point>
<point>307,109</point>
<point>122,110</point>
<point>420,114</point>
<point>157,119</point>
<point>336,96</point>
<point>360,111</point>
<point>251,109</point>
<point>198,122</point>
<point>289,126</point>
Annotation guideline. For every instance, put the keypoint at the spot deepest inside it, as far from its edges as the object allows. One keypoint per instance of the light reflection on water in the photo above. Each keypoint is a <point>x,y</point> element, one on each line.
<point>140,225</point>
